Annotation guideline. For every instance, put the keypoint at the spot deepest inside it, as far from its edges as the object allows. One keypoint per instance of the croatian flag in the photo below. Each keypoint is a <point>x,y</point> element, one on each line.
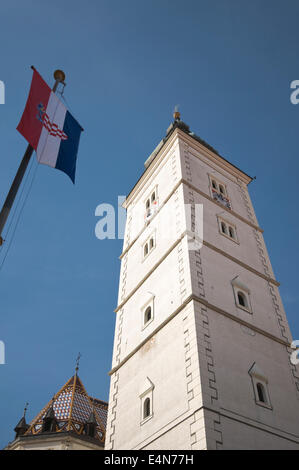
<point>50,128</point>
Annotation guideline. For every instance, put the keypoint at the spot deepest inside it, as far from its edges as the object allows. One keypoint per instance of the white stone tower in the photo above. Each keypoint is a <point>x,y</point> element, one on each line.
<point>201,352</point>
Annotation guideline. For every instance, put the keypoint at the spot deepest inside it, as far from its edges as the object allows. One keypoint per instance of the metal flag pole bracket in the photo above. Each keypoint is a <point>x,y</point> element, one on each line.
<point>59,77</point>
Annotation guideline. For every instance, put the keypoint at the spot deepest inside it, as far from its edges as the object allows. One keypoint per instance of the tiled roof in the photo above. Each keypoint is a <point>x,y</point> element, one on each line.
<point>101,408</point>
<point>72,407</point>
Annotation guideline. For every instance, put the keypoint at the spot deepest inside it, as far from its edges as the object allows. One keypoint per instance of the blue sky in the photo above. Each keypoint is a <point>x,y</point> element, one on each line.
<point>227,63</point>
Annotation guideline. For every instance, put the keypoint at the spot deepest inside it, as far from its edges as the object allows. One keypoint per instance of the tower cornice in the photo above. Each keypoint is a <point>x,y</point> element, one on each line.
<point>215,308</point>
<point>208,245</point>
<point>215,157</point>
<point>212,157</point>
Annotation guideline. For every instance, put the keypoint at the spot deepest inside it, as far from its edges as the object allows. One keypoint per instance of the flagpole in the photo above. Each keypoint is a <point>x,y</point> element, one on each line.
<point>59,77</point>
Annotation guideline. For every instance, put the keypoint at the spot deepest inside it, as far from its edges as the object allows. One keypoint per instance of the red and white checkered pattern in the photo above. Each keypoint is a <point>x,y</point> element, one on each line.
<point>53,128</point>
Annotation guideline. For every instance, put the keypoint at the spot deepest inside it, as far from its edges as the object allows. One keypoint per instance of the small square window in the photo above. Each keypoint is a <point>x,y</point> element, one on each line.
<point>151,205</point>
<point>228,229</point>
<point>149,245</point>
<point>219,192</point>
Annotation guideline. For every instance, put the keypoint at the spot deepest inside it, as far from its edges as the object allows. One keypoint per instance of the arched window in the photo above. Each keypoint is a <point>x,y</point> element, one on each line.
<point>223,227</point>
<point>214,184</point>
<point>147,315</point>
<point>242,299</point>
<point>146,408</point>
<point>151,243</point>
<point>221,189</point>
<point>145,249</point>
<point>231,232</point>
<point>153,196</point>
<point>261,392</point>
<point>147,205</point>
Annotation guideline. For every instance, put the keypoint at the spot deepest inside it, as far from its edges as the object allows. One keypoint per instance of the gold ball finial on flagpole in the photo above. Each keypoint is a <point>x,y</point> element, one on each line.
<point>59,75</point>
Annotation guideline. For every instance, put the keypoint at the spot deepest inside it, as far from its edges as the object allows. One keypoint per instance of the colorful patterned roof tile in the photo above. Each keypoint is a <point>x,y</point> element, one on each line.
<point>72,407</point>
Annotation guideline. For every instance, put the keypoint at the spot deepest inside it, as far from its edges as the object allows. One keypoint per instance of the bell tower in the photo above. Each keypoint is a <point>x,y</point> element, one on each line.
<point>201,354</point>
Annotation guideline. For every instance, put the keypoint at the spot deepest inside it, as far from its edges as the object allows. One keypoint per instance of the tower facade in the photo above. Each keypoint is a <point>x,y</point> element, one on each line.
<point>201,354</point>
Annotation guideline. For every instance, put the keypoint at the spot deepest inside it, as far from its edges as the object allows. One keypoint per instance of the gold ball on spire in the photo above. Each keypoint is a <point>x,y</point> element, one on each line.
<point>59,75</point>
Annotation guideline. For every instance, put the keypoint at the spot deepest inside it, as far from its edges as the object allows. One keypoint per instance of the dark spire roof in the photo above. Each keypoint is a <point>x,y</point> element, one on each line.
<point>22,426</point>
<point>91,424</point>
<point>92,418</point>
